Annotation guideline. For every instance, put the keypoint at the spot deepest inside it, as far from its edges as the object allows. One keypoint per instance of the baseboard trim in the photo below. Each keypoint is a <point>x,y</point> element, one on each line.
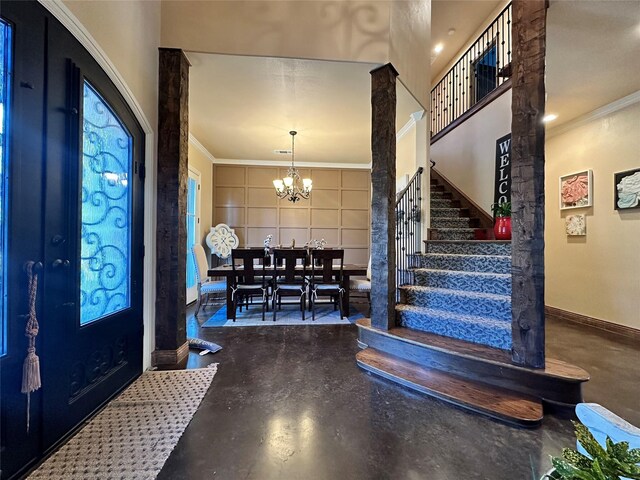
<point>593,322</point>
<point>170,357</point>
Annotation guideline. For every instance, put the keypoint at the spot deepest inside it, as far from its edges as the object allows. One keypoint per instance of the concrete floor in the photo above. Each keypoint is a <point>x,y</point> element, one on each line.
<point>290,403</point>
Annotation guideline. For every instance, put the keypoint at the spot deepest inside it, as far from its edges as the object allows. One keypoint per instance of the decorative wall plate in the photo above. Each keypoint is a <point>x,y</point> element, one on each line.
<point>221,240</point>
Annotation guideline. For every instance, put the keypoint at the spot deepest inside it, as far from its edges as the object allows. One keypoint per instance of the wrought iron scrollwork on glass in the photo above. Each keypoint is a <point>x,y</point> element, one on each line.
<point>106,210</point>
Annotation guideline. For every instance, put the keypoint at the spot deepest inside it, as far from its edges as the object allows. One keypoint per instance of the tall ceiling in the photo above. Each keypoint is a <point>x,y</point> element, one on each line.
<point>465,17</point>
<point>593,55</point>
<point>242,108</point>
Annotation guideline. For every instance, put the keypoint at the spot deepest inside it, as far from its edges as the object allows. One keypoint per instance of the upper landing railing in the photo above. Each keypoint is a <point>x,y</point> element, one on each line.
<point>484,67</point>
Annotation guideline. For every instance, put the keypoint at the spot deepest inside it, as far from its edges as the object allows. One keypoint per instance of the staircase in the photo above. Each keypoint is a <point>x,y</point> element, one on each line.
<point>448,220</point>
<point>462,287</point>
<point>453,335</point>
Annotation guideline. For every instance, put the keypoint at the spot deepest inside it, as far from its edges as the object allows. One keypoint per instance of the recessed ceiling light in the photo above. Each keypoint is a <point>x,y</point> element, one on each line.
<point>451,31</point>
<point>549,118</point>
<point>438,48</point>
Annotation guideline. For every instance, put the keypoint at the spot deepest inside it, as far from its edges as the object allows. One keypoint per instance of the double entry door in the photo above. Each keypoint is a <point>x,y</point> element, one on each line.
<point>72,208</point>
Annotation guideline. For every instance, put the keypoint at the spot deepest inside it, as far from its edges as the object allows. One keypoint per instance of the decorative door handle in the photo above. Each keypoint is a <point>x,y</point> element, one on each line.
<point>58,262</point>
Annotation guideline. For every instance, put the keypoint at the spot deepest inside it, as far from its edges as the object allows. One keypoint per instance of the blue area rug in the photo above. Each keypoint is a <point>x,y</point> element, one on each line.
<point>289,315</point>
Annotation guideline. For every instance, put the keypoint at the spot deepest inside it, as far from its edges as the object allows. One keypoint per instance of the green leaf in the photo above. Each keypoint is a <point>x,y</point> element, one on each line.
<point>608,463</point>
<point>619,451</point>
<point>599,474</point>
<point>569,471</point>
<point>577,459</point>
<point>588,442</point>
<point>630,471</point>
<point>633,456</point>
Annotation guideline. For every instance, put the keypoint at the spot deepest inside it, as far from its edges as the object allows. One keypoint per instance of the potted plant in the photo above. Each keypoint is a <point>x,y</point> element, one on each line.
<point>614,462</point>
<point>502,227</point>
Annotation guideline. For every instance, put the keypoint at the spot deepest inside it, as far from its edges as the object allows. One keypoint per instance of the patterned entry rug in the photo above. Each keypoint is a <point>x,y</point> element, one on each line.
<point>289,315</point>
<point>135,433</point>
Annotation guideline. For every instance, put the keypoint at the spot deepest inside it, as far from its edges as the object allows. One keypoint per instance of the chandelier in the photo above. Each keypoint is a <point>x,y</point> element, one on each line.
<point>289,186</point>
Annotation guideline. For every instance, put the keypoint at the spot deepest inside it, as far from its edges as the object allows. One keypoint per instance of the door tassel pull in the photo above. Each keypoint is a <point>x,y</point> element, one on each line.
<point>31,367</point>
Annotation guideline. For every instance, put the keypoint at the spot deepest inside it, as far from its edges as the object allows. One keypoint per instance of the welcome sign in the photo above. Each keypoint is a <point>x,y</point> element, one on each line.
<point>503,170</point>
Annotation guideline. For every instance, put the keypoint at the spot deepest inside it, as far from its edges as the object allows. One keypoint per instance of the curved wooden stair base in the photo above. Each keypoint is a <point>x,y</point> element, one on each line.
<point>559,384</point>
<point>501,404</point>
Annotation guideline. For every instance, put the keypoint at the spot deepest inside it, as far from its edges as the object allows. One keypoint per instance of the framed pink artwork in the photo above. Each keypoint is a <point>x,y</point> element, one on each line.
<point>576,190</point>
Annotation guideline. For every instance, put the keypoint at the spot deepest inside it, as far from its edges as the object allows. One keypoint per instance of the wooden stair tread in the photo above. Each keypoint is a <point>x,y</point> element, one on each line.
<point>554,368</point>
<point>495,402</point>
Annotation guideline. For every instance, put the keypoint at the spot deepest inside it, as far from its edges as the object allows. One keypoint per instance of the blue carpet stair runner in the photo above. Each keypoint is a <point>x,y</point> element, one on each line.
<point>448,220</point>
<point>452,338</point>
<point>461,287</point>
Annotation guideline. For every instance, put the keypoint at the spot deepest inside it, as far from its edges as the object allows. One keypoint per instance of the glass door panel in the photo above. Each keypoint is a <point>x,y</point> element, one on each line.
<point>106,207</point>
<point>193,231</point>
<point>5,77</point>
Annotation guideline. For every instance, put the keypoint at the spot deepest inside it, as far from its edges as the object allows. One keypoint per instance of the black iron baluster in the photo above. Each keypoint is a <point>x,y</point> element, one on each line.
<point>461,87</point>
<point>408,239</point>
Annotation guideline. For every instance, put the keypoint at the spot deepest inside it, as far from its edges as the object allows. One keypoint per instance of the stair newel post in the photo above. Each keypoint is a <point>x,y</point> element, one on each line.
<point>383,203</point>
<point>527,174</point>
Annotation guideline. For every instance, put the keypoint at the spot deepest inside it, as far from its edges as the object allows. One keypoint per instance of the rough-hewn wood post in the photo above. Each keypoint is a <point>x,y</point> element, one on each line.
<point>527,184</point>
<point>173,138</point>
<point>383,203</point>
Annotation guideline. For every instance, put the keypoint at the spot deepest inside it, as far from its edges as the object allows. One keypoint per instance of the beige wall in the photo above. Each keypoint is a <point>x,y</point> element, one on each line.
<point>405,157</point>
<point>410,46</point>
<point>338,210</point>
<point>359,31</point>
<point>466,155</point>
<point>597,275</point>
<point>203,165</point>
<point>129,33</point>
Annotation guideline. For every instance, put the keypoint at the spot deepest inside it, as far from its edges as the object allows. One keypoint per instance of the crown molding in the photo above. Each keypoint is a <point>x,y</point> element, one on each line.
<point>286,163</point>
<point>201,148</point>
<point>595,114</point>
<point>406,128</point>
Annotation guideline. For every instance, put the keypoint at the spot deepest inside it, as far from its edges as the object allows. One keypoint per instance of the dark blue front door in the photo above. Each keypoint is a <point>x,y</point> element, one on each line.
<point>73,204</point>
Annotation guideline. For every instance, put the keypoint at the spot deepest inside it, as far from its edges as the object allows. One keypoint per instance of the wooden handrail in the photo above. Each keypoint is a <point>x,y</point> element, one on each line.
<point>404,190</point>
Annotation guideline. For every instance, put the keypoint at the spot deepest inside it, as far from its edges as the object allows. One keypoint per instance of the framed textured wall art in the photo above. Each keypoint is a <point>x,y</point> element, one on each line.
<point>576,225</point>
<point>576,190</point>
<point>627,189</point>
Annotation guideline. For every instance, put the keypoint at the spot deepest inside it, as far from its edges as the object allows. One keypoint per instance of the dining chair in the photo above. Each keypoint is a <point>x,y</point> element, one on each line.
<point>359,287</point>
<point>324,281</point>
<point>288,280</point>
<point>205,285</point>
<point>248,281</point>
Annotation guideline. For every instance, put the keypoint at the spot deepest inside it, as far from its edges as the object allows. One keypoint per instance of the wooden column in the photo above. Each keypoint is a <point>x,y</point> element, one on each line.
<point>527,184</point>
<point>383,203</point>
<point>173,141</point>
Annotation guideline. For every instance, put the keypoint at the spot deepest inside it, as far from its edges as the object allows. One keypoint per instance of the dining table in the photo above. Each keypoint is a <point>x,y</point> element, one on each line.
<point>348,270</point>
